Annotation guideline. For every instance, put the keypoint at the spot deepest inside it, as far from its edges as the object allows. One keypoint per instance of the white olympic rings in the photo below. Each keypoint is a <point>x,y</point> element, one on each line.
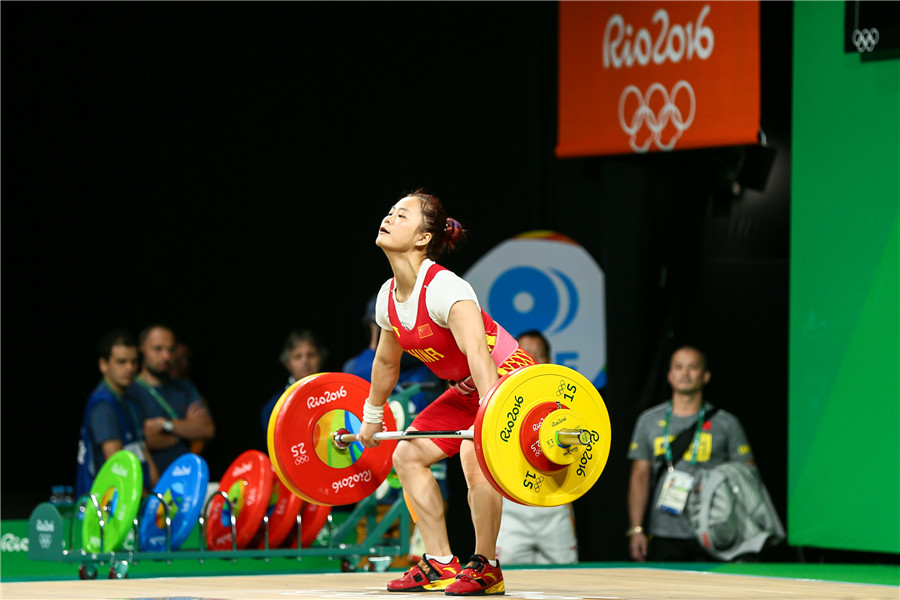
<point>865,39</point>
<point>656,123</point>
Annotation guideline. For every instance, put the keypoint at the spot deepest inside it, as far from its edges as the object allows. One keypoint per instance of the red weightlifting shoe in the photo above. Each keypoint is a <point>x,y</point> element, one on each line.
<point>479,578</point>
<point>427,576</point>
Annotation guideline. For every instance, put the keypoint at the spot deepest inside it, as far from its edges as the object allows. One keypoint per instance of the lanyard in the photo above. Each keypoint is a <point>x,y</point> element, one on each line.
<point>134,418</point>
<point>157,396</point>
<point>695,444</point>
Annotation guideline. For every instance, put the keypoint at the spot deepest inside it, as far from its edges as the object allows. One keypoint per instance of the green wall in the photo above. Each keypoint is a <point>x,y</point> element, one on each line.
<point>844,414</point>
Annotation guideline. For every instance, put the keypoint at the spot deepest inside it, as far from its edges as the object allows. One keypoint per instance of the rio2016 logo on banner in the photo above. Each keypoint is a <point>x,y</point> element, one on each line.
<point>546,281</point>
<point>657,76</point>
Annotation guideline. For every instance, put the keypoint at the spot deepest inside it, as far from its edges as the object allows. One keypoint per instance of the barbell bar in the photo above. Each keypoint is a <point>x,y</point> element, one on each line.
<point>343,438</point>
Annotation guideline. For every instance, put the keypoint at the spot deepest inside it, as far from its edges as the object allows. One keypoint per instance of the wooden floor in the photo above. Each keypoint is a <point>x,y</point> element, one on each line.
<point>545,584</point>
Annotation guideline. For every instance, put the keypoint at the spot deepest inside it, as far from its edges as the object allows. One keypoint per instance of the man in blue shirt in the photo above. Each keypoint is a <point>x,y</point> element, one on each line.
<point>112,420</point>
<point>175,413</point>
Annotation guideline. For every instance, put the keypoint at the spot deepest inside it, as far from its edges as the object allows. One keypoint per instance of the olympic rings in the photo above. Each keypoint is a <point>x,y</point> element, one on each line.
<point>865,39</point>
<point>656,123</point>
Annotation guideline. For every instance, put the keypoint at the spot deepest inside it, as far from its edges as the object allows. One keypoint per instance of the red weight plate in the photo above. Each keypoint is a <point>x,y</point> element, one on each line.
<point>284,506</point>
<point>248,483</point>
<point>270,431</point>
<point>313,518</point>
<point>530,440</point>
<point>310,465</point>
<point>479,446</point>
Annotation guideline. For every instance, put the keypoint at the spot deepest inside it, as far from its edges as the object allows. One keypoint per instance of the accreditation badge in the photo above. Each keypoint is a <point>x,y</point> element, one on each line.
<point>675,489</point>
<point>136,448</point>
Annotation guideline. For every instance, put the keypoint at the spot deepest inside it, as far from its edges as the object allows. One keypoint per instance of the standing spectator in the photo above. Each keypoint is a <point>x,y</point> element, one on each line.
<point>112,420</point>
<point>302,355</point>
<point>710,436</point>
<point>182,368</point>
<point>176,414</point>
<point>181,361</point>
<point>537,535</point>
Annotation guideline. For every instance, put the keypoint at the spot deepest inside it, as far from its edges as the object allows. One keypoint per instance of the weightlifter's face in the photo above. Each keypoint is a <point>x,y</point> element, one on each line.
<point>402,227</point>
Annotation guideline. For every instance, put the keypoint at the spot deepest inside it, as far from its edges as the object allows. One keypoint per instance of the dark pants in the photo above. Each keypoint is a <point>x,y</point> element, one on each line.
<point>663,549</point>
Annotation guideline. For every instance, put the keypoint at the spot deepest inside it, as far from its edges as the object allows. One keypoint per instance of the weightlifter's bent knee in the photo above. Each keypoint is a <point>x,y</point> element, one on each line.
<point>415,454</point>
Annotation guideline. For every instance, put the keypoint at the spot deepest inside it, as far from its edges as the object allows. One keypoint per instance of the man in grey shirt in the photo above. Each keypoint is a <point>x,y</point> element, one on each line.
<point>716,436</point>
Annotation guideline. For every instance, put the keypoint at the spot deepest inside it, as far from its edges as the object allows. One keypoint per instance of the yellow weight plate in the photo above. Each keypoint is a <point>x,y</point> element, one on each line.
<point>552,449</point>
<point>498,433</point>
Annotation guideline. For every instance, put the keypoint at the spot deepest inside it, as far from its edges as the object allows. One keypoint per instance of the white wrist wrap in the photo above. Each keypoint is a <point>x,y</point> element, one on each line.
<point>372,414</point>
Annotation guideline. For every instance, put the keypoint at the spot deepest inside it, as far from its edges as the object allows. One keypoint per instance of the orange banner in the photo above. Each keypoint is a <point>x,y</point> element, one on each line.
<point>657,76</point>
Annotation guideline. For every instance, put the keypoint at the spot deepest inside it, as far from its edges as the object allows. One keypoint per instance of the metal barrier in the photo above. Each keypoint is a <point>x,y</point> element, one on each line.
<point>47,529</point>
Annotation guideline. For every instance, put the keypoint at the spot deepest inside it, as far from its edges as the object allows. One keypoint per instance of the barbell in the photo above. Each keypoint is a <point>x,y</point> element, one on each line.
<point>342,437</point>
<point>542,437</point>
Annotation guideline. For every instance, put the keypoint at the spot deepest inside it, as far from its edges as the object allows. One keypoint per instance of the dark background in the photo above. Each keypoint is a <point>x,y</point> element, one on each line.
<point>223,168</point>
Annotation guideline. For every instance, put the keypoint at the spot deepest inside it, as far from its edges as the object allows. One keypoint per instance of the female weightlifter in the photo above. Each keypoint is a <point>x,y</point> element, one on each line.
<point>434,315</point>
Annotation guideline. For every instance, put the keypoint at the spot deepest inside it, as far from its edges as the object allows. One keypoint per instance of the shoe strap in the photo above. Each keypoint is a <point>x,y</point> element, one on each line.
<point>474,569</point>
<point>465,577</point>
<point>425,566</point>
<point>479,561</point>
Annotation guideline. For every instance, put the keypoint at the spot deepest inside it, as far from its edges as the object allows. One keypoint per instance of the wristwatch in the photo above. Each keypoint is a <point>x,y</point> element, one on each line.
<point>168,426</point>
<point>634,530</point>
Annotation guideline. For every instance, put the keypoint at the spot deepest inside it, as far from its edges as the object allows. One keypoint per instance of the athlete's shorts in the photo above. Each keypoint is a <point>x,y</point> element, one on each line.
<point>456,409</point>
<point>451,411</point>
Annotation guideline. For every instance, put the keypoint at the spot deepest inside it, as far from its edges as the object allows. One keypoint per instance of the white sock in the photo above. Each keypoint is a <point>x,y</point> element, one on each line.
<point>493,563</point>
<point>444,560</point>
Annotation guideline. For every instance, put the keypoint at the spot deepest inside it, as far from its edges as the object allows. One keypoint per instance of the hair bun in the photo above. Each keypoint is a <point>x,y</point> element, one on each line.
<point>452,232</point>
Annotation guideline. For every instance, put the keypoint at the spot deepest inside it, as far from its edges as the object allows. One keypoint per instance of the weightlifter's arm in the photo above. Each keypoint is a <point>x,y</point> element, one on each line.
<point>638,496</point>
<point>467,327</point>
<point>385,372</point>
